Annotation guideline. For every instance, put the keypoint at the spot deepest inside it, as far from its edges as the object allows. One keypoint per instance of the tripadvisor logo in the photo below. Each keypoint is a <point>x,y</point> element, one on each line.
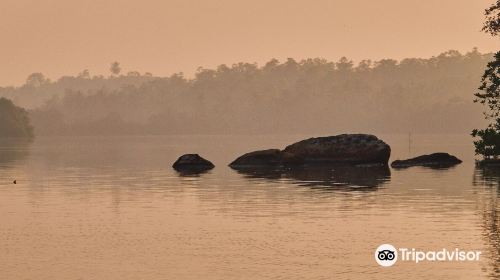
<point>387,255</point>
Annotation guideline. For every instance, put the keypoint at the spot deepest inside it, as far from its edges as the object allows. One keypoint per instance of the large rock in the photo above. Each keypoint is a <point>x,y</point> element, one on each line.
<point>432,160</point>
<point>340,149</point>
<point>192,163</point>
<point>345,148</point>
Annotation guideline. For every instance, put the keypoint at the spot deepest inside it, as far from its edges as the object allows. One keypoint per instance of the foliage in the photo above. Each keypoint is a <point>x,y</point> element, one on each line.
<point>492,23</point>
<point>14,121</point>
<point>490,88</point>
<point>488,144</point>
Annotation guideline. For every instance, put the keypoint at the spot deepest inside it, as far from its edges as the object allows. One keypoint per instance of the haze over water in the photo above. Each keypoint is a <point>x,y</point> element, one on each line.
<point>112,208</point>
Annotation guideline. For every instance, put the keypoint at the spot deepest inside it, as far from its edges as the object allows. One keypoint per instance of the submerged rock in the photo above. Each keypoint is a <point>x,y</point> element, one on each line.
<point>341,149</point>
<point>432,160</point>
<point>192,163</point>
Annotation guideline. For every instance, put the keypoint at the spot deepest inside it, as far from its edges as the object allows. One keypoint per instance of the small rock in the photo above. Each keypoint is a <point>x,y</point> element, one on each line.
<point>271,157</point>
<point>432,160</point>
<point>192,163</point>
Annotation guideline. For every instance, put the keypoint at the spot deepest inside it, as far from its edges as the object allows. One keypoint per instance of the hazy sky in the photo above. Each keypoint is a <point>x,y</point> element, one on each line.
<point>59,37</point>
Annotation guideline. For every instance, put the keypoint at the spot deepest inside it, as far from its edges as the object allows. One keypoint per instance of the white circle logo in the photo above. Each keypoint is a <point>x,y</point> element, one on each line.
<point>386,255</point>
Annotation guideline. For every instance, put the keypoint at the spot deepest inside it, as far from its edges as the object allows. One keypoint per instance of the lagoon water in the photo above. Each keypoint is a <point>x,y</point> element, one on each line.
<point>112,208</point>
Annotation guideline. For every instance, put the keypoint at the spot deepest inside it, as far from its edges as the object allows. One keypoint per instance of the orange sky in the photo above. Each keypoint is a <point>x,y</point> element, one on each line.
<point>58,37</point>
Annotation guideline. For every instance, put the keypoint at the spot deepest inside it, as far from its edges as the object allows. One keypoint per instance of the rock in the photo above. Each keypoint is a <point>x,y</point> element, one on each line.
<point>432,160</point>
<point>192,163</point>
<point>271,157</point>
<point>341,149</point>
<point>344,148</point>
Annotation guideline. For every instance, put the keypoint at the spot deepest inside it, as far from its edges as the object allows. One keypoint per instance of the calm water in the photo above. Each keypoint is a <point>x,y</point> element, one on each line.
<point>112,208</point>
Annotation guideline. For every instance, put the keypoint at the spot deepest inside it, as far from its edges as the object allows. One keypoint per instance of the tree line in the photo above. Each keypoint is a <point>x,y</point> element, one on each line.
<point>431,95</point>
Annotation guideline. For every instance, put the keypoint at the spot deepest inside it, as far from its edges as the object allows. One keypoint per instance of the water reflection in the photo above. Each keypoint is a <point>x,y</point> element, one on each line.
<point>13,150</point>
<point>489,177</point>
<point>107,199</point>
<point>192,172</point>
<point>492,233</point>
<point>325,177</point>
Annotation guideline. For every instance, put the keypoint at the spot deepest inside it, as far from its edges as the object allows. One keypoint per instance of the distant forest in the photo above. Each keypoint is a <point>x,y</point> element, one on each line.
<point>308,96</point>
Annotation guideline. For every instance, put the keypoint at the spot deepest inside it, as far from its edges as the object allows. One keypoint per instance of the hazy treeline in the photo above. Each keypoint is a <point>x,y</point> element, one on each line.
<point>38,89</point>
<point>308,96</point>
<point>14,120</point>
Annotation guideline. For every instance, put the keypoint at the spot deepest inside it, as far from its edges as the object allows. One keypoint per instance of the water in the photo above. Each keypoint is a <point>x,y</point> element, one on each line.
<point>112,208</point>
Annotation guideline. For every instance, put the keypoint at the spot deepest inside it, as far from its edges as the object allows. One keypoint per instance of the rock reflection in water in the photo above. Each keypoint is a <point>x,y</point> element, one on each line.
<point>192,172</point>
<point>334,177</point>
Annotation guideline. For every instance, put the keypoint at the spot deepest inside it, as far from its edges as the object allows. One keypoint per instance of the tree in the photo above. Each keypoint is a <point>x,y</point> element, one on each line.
<point>490,88</point>
<point>492,23</point>
<point>488,143</point>
<point>85,74</point>
<point>36,80</point>
<point>115,68</point>
<point>489,93</point>
<point>14,121</point>
<point>133,74</point>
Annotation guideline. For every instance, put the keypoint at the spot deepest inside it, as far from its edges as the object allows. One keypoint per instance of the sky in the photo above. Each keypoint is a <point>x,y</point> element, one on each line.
<point>64,37</point>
